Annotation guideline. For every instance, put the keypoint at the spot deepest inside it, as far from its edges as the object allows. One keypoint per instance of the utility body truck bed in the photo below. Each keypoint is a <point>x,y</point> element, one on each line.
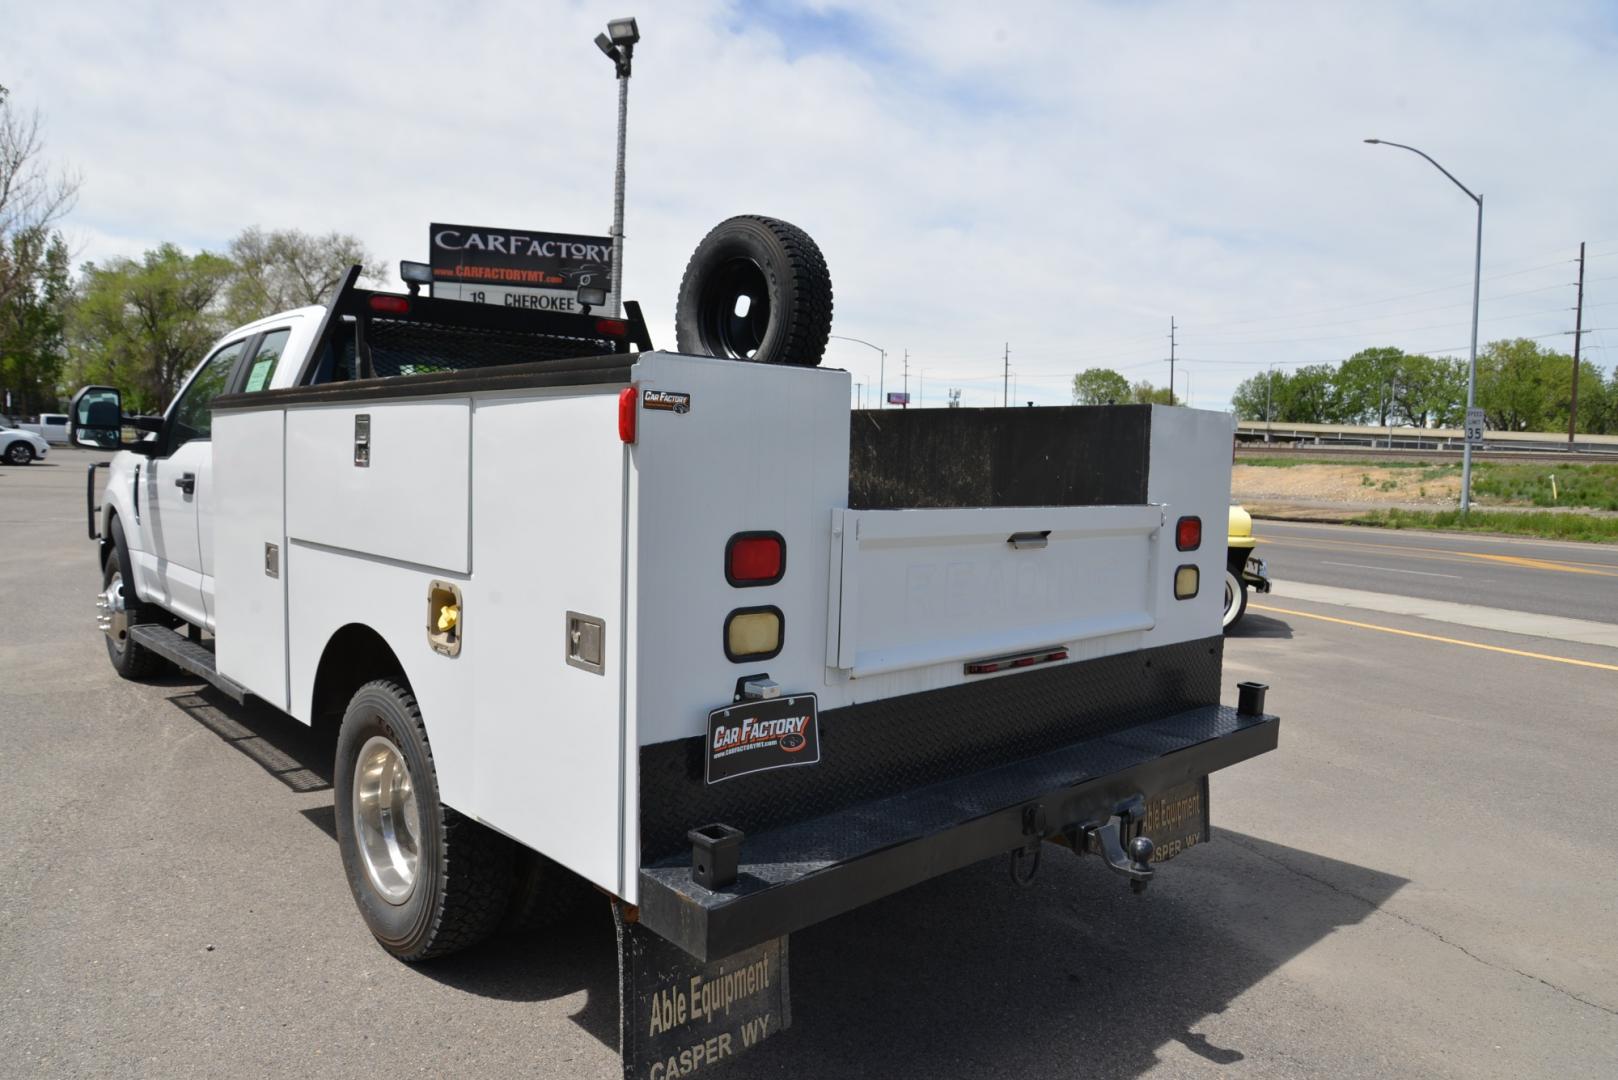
<point>688,627</point>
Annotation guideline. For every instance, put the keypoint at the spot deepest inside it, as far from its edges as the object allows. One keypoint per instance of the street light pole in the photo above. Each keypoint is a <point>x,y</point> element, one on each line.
<point>618,43</point>
<point>882,369</point>
<point>1269,388</point>
<point>1477,281</point>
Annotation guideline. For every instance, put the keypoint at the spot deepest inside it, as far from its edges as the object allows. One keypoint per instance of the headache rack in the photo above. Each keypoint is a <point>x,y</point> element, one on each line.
<point>367,334</point>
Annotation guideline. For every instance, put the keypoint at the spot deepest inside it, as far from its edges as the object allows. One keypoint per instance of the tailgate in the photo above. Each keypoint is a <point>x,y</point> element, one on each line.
<point>913,588</point>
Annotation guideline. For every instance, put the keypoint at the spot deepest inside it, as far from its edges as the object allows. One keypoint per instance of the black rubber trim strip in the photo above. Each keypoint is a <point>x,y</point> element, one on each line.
<point>610,370</point>
<point>777,894</point>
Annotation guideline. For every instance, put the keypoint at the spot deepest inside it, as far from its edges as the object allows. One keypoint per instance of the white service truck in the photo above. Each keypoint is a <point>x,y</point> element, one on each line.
<point>679,625</point>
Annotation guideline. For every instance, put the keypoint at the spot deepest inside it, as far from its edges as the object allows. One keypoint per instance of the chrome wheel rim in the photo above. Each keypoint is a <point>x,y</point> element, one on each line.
<point>19,454</point>
<point>112,617</point>
<point>387,824</point>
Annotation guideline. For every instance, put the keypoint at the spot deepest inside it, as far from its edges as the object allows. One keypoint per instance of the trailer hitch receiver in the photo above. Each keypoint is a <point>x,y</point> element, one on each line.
<point>1108,839</point>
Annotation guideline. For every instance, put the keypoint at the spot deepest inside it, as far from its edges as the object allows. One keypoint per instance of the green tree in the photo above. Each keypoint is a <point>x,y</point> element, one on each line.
<point>1144,393</point>
<point>1100,386</point>
<point>33,260</point>
<point>33,338</point>
<point>142,326</point>
<point>1517,386</point>
<point>1254,398</point>
<point>288,268</point>
<point>1366,384</point>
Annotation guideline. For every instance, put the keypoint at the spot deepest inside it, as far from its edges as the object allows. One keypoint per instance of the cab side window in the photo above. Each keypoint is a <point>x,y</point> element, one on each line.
<point>265,359</point>
<point>193,413</point>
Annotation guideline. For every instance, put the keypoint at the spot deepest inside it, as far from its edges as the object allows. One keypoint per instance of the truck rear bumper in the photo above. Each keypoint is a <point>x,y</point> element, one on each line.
<point>800,874</point>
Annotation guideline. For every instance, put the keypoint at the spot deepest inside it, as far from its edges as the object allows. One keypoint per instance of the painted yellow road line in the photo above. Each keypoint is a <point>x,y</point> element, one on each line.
<point>1435,637</point>
<point>1442,555</point>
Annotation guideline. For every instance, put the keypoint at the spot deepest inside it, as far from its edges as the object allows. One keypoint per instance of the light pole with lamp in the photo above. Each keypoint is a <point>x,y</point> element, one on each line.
<point>1269,418</point>
<point>618,43</point>
<point>1477,280</point>
<point>881,396</point>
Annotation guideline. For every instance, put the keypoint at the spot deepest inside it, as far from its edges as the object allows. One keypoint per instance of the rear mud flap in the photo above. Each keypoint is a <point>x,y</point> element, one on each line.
<point>680,1016</point>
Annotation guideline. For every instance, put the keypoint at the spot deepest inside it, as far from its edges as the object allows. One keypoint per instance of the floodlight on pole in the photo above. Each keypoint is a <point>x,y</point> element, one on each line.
<point>1477,281</point>
<point>618,45</point>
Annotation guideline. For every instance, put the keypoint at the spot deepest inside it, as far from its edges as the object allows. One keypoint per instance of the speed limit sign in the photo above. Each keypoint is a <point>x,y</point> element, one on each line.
<point>1474,425</point>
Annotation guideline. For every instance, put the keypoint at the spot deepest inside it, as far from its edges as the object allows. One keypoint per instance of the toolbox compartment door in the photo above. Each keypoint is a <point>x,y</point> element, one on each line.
<point>917,588</point>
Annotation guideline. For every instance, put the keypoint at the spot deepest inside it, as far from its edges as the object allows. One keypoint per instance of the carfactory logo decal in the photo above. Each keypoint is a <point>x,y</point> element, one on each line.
<point>666,400</point>
<point>763,735</point>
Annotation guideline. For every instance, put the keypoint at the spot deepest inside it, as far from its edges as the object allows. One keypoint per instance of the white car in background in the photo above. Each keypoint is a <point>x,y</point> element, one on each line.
<point>52,427</point>
<point>19,447</point>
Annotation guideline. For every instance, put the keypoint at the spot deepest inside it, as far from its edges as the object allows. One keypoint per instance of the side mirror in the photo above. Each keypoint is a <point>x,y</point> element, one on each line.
<point>96,418</point>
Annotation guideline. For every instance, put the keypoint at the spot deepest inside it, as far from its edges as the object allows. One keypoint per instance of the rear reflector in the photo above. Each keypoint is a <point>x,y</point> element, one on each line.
<point>1006,663</point>
<point>613,327</point>
<point>1187,579</point>
<point>753,634</point>
<point>626,414</point>
<point>755,558</point>
<point>1188,534</point>
<point>396,305</point>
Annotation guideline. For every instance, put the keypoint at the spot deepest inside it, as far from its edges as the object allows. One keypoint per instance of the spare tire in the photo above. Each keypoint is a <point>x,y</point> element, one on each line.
<point>756,289</point>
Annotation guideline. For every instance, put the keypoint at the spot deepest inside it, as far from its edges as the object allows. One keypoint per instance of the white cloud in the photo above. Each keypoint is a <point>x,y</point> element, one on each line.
<point>1063,177</point>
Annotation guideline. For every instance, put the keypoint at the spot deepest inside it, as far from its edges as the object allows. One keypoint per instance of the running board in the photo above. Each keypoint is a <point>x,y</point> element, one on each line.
<point>187,655</point>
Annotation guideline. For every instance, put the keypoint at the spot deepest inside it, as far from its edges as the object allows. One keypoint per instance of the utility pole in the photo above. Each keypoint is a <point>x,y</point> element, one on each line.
<point>1005,379</point>
<point>1578,332</point>
<point>907,377</point>
<point>1171,359</point>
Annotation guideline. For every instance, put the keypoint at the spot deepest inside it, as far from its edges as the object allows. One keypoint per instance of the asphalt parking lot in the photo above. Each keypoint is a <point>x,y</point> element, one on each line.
<point>1421,881</point>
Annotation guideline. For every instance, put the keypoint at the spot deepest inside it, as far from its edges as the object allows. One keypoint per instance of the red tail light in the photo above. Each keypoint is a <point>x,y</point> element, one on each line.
<point>626,414</point>
<point>1188,533</point>
<point>396,305</point>
<point>613,327</point>
<point>755,558</point>
<point>1006,663</point>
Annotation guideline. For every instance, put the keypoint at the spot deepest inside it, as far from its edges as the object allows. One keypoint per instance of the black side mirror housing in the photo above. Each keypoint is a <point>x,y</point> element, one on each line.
<point>96,418</point>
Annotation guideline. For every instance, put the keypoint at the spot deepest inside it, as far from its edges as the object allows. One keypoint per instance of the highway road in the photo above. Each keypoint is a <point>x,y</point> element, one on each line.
<point>1516,574</point>
<point>1419,882</point>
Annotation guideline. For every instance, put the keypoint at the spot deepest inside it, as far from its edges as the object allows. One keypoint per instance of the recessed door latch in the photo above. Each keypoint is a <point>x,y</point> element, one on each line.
<point>362,440</point>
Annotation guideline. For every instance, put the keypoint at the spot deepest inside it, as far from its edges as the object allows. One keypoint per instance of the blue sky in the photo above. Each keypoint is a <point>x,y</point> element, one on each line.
<point>1062,177</point>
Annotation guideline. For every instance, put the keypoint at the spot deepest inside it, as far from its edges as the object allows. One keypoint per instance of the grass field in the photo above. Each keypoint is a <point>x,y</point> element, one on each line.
<point>1593,487</point>
<point>1602,530</point>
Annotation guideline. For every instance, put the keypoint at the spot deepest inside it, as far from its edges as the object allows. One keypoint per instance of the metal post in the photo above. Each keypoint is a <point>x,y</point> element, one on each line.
<point>1171,359</point>
<point>1578,331</point>
<point>1005,378</point>
<point>1269,389</point>
<point>1472,363</point>
<point>618,195</point>
<point>1477,281</point>
<point>882,368</point>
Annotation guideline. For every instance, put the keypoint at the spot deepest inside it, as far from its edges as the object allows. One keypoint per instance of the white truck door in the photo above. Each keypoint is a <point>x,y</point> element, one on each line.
<point>177,483</point>
<point>259,369</point>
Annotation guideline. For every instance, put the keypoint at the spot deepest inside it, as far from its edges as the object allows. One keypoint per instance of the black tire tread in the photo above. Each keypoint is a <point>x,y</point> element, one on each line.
<point>475,862</point>
<point>138,661</point>
<point>807,326</point>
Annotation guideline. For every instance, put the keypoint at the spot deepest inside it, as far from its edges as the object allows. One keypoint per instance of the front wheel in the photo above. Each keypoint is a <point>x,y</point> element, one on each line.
<point>119,609</point>
<point>1235,598</point>
<point>427,879</point>
<point>19,453</point>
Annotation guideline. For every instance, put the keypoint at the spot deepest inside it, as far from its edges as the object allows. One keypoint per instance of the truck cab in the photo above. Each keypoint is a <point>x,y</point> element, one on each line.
<point>161,491</point>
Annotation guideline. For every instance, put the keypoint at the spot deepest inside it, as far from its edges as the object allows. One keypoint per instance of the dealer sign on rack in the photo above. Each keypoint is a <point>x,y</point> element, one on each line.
<point>541,271</point>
